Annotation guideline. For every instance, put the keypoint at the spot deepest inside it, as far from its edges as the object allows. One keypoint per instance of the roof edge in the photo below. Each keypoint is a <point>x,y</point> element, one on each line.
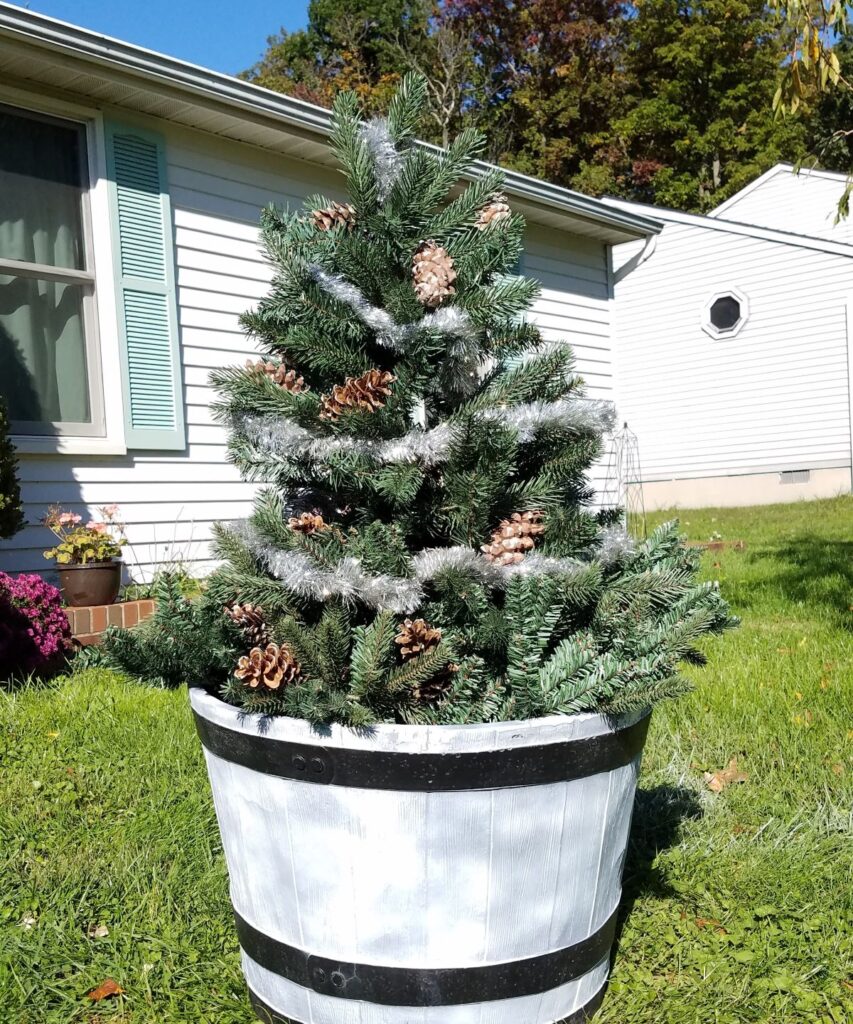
<point>780,168</point>
<point>128,58</point>
<point>714,223</point>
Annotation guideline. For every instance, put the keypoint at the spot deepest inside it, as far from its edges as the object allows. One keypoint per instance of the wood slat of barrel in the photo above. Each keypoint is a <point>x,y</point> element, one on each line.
<point>353,881</point>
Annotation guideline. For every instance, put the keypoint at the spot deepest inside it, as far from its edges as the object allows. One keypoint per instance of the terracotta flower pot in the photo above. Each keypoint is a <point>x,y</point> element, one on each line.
<point>93,583</point>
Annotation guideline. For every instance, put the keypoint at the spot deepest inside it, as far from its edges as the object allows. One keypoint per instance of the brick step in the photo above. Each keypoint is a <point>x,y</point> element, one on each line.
<point>90,621</point>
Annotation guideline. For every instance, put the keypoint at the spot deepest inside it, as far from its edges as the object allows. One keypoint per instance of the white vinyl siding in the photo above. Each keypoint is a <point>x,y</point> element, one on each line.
<point>804,204</point>
<point>774,397</point>
<point>217,189</point>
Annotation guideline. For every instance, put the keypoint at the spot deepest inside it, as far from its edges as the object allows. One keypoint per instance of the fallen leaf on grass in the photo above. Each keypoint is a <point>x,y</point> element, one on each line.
<point>97,931</point>
<point>28,922</point>
<point>718,780</point>
<point>107,988</point>
<point>838,769</point>
<point>710,922</point>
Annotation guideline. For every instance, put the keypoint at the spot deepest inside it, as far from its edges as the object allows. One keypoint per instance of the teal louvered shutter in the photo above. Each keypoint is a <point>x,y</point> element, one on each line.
<point>145,280</point>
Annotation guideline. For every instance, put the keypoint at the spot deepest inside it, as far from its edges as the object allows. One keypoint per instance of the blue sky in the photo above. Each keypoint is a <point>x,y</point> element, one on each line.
<point>227,37</point>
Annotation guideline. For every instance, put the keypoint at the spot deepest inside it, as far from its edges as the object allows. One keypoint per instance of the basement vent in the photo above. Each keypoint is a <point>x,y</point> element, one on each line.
<point>795,476</point>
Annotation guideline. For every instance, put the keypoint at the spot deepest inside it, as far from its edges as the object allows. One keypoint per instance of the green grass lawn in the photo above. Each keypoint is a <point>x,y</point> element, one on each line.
<point>738,905</point>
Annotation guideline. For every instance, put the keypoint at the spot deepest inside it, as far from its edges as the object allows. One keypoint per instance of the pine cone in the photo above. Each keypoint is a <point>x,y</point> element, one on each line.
<point>278,372</point>
<point>415,637</point>
<point>336,215</point>
<point>496,210</point>
<point>249,618</point>
<point>307,523</point>
<point>270,667</point>
<point>433,274</point>
<point>362,393</point>
<point>431,691</point>
<point>514,537</point>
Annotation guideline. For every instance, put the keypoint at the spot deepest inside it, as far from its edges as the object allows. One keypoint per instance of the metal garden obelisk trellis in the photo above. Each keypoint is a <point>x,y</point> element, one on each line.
<point>623,482</point>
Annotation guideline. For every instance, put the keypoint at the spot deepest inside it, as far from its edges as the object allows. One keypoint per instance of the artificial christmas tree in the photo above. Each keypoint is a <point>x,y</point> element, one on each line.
<point>433,573</point>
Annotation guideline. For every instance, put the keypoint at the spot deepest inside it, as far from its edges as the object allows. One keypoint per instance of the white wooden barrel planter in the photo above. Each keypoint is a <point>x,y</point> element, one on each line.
<point>423,874</point>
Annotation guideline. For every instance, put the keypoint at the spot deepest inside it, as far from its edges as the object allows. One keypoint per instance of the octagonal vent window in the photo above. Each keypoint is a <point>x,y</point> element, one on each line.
<point>725,313</point>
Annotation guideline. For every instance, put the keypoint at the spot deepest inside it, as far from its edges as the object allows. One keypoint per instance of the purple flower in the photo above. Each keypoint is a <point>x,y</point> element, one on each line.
<point>34,629</point>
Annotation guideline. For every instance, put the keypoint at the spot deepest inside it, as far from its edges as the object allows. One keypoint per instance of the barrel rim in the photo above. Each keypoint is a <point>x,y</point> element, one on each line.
<point>490,766</point>
<point>404,735</point>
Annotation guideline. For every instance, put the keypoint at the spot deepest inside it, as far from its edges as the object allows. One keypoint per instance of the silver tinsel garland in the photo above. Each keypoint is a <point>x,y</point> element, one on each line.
<point>273,435</point>
<point>388,333</point>
<point>401,595</point>
<point>387,160</point>
<point>450,321</point>
<point>613,544</point>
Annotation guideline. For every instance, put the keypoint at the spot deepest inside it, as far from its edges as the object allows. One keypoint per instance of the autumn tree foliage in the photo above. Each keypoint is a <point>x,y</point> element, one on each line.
<point>546,79</point>
<point>662,101</point>
<point>347,46</point>
<point>698,125</point>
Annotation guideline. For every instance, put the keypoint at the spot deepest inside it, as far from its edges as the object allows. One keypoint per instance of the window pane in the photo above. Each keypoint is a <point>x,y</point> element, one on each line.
<point>41,191</point>
<point>43,371</point>
<point>725,312</point>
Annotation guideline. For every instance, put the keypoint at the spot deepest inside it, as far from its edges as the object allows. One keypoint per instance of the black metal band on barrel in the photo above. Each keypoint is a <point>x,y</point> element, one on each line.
<point>416,986</point>
<point>426,772</point>
<point>267,1015</point>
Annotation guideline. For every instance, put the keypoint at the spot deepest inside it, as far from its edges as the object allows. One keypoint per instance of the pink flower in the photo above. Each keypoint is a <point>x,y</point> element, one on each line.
<point>109,511</point>
<point>96,527</point>
<point>68,519</point>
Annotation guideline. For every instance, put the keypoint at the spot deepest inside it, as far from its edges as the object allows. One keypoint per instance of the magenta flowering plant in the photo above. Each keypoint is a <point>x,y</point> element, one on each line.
<point>34,630</point>
<point>98,540</point>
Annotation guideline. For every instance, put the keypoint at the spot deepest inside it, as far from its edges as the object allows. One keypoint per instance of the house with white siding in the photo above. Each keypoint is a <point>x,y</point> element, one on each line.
<point>130,190</point>
<point>734,358</point>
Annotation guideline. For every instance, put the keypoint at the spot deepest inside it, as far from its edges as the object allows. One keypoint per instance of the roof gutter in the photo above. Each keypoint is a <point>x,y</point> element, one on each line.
<point>733,227</point>
<point>128,59</point>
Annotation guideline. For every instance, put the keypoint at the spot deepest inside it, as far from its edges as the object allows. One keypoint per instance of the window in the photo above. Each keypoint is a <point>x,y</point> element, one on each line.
<point>725,313</point>
<point>48,350</point>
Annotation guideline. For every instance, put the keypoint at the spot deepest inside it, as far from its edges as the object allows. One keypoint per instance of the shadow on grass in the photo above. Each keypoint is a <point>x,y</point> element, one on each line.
<point>659,815</point>
<point>807,569</point>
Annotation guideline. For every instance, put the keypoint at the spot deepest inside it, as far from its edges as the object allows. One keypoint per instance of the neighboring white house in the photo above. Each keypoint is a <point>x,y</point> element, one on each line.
<point>734,348</point>
<point>130,191</point>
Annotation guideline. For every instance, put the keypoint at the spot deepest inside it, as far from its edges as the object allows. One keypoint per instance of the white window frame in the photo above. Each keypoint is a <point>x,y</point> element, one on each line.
<point>105,435</point>
<point>730,332</point>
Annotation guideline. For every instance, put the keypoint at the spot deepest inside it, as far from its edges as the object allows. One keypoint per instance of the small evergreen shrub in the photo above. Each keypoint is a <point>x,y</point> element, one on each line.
<point>11,512</point>
<point>186,640</point>
<point>34,630</point>
<point>426,547</point>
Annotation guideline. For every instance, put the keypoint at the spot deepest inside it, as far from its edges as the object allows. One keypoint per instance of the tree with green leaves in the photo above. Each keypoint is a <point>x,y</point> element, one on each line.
<point>547,80</point>
<point>819,62</point>
<point>424,546</point>
<point>347,45</point>
<point>702,79</point>
<point>11,511</point>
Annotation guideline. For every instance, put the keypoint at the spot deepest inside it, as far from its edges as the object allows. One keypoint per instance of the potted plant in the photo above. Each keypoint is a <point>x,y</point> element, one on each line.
<point>443,657</point>
<point>35,636</point>
<point>88,557</point>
